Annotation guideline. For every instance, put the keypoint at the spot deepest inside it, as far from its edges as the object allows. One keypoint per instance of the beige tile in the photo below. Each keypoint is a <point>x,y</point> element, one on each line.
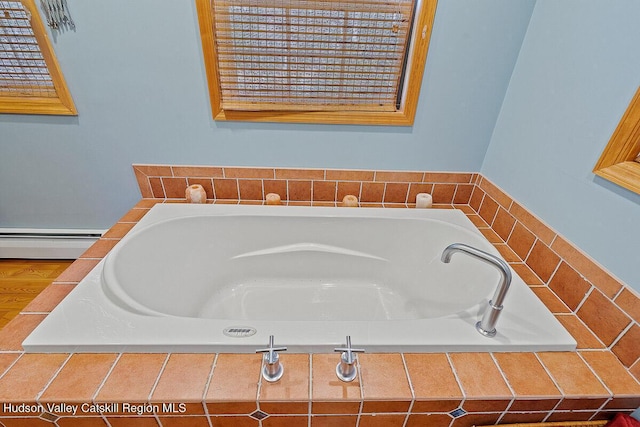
<point>346,188</point>
<point>539,228</point>
<point>79,269</point>
<point>396,192</point>
<point>434,383</point>
<point>157,189</point>
<point>6,360</point>
<point>234,422</point>
<point>431,420</point>
<point>612,373</point>
<point>225,188</point>
<point>206,183</point>
<point>286,421</point>
<point>583,336</point>
<point>153,170</point>
<point>572,375</point>
<point>382,420</point>
<point>118,231</point>
<point>49,298</point>
<point>550,300</point>
<point>349,175</point>
<point>249,172</point>
<point>190,421</point>
<point>197,171</point>
<point>372,192</point>
<point>299,190</point>
<point>29,376</point>
<point>628,347</point>
<point>526,274</point>
<point>463,193</point>
<point>476,198</point>
<point>588,268</point>
<point>384,383</point>
<point>526,376</point>
<point>294,384</point>
<point>327,387</point>
<point>184,378</point>
<point>443,193</point>
<point>488,209</point>
<point>521,240</point>
<point>80,378</point>
<point>334,421</point>
<point>432,376</point>
<point>133,376</point>
<point>479,376</point>
<point>250,189</point>
<point>300,174</point>
<point>542,260</point>
<point>99,249</point>
<point>630,303</point>
<point>603,317</point>
<point>324,191</point>
<point>398,176</point>
<point>134,215</point>
<point>450,177</point>
<point>503,223</point>
<point>174,188</point>
<point>235,378</point>
<point>496,193</point>
<point>415,189</point>
<point>569,285</point>
<point>14,332</point>
<point>278,187</point>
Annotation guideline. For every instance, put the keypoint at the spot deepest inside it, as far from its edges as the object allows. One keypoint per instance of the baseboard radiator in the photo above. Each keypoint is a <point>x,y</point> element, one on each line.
<point>32,243</point>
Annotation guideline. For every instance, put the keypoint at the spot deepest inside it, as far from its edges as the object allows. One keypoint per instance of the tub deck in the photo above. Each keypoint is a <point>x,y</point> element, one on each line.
<point>437,389</point>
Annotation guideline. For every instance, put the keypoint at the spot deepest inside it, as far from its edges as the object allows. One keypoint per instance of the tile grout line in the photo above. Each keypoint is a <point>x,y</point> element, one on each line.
<point>455,375</point>
<point>413,394</point>
<point>53,377</point>
<point>104,380</point>
<point>155,384</point>
<point>208,384</point>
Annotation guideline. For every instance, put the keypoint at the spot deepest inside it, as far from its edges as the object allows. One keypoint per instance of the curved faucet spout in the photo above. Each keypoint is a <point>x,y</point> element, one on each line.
<point>486,326</point>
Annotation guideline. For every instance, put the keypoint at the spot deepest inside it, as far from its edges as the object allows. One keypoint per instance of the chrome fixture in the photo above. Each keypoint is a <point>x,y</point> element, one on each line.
<point>486,326</point>
<point>346,369</point>
<point>272,370</point>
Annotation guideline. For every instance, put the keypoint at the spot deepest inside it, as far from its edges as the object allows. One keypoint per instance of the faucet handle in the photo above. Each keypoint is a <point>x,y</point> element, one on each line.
<point>346,370</point>
<point>273,369</point>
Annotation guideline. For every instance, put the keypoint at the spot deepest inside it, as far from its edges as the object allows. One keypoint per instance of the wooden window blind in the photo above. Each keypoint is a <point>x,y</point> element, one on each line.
<point>30,78</point>
<point>322,61</point>
<point>311,55</point>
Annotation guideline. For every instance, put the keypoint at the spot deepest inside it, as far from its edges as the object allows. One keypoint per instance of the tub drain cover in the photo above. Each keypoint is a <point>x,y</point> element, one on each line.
<point>239,331</point>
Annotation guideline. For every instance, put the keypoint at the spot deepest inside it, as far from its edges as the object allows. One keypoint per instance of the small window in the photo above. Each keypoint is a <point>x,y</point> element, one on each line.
<point>620,160</point>
<point>30,78</point>
<point>315,61</point>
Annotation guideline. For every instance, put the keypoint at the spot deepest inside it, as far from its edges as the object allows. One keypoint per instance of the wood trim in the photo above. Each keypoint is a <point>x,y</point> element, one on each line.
<point>616,163</point>
<point>404,117</point>
<point>60,105</point>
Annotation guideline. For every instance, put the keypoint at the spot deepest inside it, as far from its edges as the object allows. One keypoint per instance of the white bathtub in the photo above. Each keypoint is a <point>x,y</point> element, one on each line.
<point>222,278</point>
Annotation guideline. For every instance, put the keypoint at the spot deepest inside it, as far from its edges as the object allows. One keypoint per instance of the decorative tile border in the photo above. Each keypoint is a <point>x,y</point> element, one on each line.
<point>425,389</point>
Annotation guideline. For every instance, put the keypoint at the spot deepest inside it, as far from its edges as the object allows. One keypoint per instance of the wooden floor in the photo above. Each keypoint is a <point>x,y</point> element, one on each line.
<point>21,280</point>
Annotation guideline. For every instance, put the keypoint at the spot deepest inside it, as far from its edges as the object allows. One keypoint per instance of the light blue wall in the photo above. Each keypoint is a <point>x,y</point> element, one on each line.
<point>576,73</point>
<point>135,71</point>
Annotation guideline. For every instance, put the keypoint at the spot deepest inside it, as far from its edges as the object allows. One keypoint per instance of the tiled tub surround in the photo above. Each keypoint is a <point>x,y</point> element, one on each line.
<point>439,389</point>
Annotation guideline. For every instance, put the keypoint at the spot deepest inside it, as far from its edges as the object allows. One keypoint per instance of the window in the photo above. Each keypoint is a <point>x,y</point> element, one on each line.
<point>30,78</point>
<point>315,61</point>
<point>620,160</point>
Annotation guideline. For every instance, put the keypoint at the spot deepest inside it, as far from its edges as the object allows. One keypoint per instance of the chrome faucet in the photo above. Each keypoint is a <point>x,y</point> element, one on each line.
<point>273,369</point>
<point>486,326</point>
<point>346,368</point>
